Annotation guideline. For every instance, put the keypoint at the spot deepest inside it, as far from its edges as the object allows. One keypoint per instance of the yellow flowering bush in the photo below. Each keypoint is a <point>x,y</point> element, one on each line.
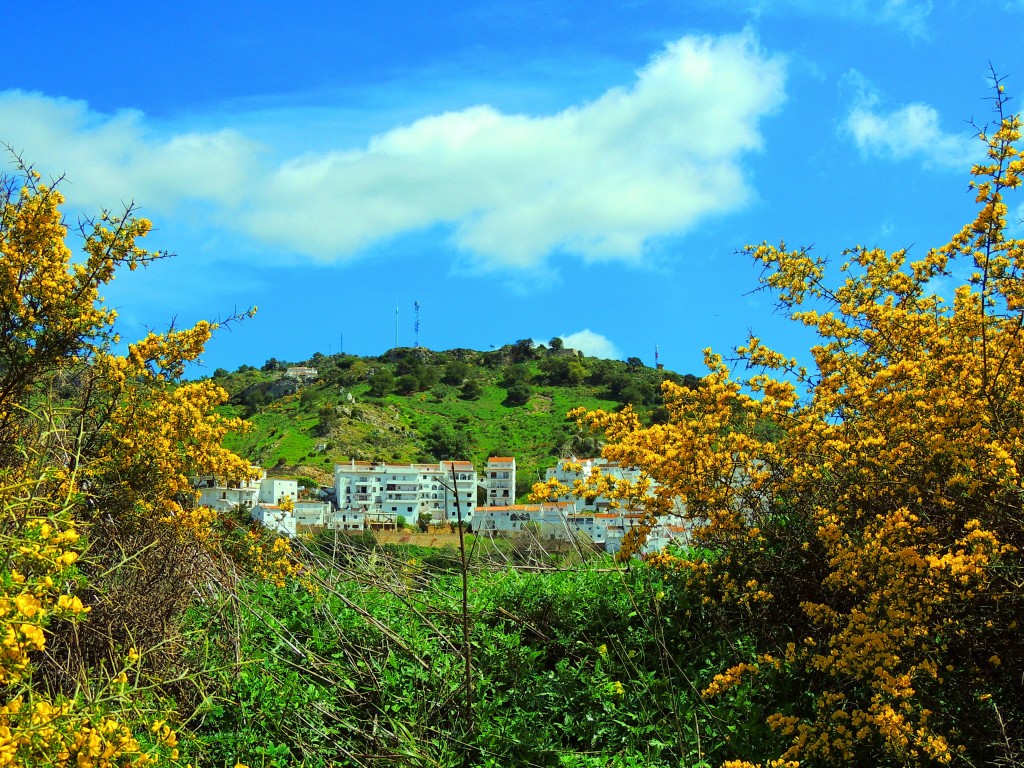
<point>861,519</point>
<point>101,543</point>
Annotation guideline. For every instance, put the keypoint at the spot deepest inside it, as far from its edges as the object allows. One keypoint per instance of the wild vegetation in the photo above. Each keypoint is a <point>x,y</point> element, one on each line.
<point>852,595</point>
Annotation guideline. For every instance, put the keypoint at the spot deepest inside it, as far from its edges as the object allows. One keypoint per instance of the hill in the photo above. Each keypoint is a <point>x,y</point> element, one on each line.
<point>415,404</point>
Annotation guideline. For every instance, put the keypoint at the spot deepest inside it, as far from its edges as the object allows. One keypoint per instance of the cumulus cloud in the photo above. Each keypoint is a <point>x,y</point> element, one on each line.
<point>592,344</point>
<point>911,132</point>
<point>109,159</point>
<point>597,180</point>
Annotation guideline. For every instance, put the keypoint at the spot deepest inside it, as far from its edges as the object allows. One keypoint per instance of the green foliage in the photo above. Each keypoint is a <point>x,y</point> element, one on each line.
<point>471,390</point>
<point>516,374</point>
<point>518,394</point>
<point>444,442</point>
<point>573,668</point>
<point>382,382</point>
<point>407,384</point>
<point>455,372</point>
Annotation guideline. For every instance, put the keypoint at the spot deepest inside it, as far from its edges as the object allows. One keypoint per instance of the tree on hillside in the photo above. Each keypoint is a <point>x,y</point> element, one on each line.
<point>443,442</point>
<point>870,548</point>
<point>455,372</point>
<point>516,374</point>
<point>471,390</point>
<point>518,394</point>
<point>522,350</point>
<point>382,382</point>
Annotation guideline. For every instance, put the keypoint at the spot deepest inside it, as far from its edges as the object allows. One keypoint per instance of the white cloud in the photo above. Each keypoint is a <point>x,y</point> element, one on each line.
<point>597,180</point>
<point>592,344</point>
<point>911,132</point>
<point>109,159</point>
<point>909,15</point>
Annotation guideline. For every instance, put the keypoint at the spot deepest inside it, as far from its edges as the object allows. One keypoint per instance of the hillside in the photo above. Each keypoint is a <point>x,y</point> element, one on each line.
<point>420,405</point>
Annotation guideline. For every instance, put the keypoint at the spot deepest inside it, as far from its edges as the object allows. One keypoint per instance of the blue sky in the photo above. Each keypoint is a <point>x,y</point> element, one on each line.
<point>521,170</point>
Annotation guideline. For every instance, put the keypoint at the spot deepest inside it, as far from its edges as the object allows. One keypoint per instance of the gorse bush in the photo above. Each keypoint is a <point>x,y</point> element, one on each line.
<point>870,542</point>
<point>100,543</point>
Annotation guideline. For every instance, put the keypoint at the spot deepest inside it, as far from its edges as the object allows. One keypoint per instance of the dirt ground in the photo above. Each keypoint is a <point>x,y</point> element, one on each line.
<point>429,539</point>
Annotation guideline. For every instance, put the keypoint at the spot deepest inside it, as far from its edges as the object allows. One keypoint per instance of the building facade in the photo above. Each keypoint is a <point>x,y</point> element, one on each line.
<point>384,492</point>
<point>500,481</point>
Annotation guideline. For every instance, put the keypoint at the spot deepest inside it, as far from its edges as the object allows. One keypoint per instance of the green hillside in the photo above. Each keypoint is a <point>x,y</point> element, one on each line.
<point>420,405</point>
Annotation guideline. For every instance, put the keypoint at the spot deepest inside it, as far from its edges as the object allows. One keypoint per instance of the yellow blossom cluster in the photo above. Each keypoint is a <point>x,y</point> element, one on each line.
<point>862,517</point>
<point>39,568</point>
<point>276,563</point>
<point>729,679</point>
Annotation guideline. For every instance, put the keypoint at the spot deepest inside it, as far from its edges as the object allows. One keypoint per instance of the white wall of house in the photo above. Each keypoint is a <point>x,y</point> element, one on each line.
<point>273,490</point>
<point>312,512</point>
<point>346,520</point>
<point>273,517</point>
<point>224,495</point>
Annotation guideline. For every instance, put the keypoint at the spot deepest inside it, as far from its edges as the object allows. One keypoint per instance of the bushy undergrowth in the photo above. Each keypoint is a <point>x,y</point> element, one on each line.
<point>361,661</point>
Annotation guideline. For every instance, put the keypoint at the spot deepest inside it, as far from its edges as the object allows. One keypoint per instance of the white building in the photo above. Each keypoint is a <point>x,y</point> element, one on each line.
<point>222,495</point>
<point>312,513</point>
<point>301,372</point>
<point>262,496</point>
<point>385,492</point>
<point>500,481</point>
<point>274,490</point>
<point>351,519</point>
<point>273,517</point>
<point>569,470</point>
<point>549,517</point>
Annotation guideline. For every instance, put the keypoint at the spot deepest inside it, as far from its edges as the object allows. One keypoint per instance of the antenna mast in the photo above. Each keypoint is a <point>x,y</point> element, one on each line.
<point>416,325</point>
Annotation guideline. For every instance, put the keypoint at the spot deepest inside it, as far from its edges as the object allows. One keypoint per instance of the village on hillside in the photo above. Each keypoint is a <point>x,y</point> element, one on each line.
<point>372,496</point>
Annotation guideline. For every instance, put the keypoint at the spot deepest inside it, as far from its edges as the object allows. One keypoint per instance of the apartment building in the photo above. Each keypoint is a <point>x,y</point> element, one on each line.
<point>383,492</point>
<point>500,481</point>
